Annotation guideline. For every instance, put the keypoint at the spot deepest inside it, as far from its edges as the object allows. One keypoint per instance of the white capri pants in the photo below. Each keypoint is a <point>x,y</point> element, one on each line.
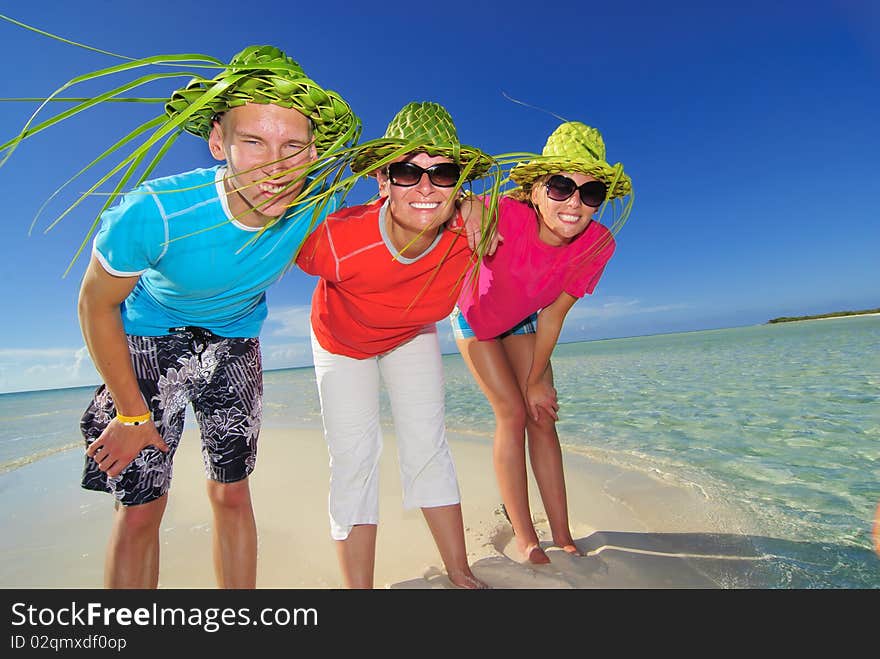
<point>349,393</point>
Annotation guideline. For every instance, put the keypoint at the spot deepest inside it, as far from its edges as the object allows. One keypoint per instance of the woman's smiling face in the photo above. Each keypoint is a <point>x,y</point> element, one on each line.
<point>420,209</point>
<point>561,221</point>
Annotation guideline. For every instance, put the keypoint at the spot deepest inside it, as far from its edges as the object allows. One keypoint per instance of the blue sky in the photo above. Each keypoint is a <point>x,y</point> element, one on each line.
<point>750,132</point>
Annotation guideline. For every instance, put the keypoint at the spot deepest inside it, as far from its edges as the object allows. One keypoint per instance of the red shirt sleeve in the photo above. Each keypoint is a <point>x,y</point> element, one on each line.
<point>316,256</point>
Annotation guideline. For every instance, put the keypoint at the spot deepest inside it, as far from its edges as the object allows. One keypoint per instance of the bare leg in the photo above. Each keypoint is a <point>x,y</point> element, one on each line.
<point>545,454</point>
<point>235,534</point>
<point>132,559</point>
<point>357,556</point>
<point>447,528</point>
<point>349,393</point>
<point>491,368</point>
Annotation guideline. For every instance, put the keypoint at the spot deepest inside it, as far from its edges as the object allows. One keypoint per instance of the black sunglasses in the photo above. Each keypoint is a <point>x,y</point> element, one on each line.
<point>560,188</point>
<point>406,174</point>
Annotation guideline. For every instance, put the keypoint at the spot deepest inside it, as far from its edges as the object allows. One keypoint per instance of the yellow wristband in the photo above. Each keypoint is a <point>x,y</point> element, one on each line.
<point>133,420</point>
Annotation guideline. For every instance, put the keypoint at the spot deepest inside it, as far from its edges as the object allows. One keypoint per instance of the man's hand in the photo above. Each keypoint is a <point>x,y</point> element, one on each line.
<point>118,445</point>
<point>541,396</point>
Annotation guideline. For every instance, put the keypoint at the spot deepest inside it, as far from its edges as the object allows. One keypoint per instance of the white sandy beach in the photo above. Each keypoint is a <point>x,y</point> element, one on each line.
<point>854,315</point>
<point>636,531</point>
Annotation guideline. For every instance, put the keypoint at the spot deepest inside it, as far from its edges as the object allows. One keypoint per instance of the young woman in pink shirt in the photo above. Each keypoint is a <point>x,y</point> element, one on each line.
<point>508,321</point>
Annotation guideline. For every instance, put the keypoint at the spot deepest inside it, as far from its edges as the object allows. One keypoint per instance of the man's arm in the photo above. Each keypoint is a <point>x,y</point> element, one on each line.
<point>101,321</point>
<point>539,391</point>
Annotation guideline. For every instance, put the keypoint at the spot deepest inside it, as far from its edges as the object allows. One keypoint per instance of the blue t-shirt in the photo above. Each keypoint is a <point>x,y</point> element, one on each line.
<point>197,265</point>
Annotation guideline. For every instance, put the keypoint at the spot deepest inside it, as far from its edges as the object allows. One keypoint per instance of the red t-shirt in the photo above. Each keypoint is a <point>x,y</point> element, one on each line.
<point>368,302</point>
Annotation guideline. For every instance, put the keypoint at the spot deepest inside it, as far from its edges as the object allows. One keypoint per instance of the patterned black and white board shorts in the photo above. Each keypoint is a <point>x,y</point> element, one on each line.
<point>221,377</point>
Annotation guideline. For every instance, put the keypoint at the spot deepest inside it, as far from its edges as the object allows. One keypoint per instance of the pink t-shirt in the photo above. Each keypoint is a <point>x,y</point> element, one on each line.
<point>525,274</point>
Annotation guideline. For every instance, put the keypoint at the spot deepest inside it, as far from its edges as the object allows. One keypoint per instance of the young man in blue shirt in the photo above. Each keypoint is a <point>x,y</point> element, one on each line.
<point>173,300</point>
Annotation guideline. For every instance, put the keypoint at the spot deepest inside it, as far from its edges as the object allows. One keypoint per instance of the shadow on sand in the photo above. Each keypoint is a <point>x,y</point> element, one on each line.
<point>614,559</point>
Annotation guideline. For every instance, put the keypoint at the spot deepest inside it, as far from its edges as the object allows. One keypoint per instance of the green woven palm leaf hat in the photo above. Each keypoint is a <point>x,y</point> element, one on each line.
<point>574,147</point>
<point>420,127</point>
<point>264,74</point>
<point>258,74</point>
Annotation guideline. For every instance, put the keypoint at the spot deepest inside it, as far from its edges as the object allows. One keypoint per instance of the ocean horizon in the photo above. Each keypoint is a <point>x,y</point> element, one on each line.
<point>778,421</point>
<point>92,385</point>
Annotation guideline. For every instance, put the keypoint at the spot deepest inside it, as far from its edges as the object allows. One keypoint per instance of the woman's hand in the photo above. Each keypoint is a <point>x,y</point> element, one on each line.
<point>541,396</point>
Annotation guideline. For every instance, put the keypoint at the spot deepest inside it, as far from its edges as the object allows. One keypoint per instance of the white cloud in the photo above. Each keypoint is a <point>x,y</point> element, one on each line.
<point>615,308</point>
<point>597,318</point>
<point>57,368</point>
<point>291,322</point>
<point>48,368</point>
<point>51,368</point>
<point>286,355</point>
<point>290,325</point>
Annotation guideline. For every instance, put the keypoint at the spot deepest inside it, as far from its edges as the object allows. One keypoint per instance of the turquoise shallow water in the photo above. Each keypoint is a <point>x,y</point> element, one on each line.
<point>782,421</point>
<point>779,421</point>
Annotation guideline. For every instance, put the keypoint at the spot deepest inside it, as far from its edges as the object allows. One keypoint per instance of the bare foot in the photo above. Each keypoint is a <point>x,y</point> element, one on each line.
<point>467,581</point>
<point>568,547</point>
<point>534,554</point>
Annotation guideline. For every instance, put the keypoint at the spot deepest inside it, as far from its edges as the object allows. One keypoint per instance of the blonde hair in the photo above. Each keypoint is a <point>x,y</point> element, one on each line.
<point>524,194</point>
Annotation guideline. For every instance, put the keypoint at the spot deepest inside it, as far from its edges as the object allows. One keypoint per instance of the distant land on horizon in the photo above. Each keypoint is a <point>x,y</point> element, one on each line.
<point>835,314</point>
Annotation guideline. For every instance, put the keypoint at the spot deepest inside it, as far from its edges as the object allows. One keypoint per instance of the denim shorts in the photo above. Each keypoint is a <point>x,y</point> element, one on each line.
<point>461,329</point>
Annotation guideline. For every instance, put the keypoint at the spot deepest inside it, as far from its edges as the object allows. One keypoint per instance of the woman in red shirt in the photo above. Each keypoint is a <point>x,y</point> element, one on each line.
<point>389,270</point>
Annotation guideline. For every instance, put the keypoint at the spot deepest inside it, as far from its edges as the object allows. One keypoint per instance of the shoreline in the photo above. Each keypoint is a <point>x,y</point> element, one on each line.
<point>635,531</point>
